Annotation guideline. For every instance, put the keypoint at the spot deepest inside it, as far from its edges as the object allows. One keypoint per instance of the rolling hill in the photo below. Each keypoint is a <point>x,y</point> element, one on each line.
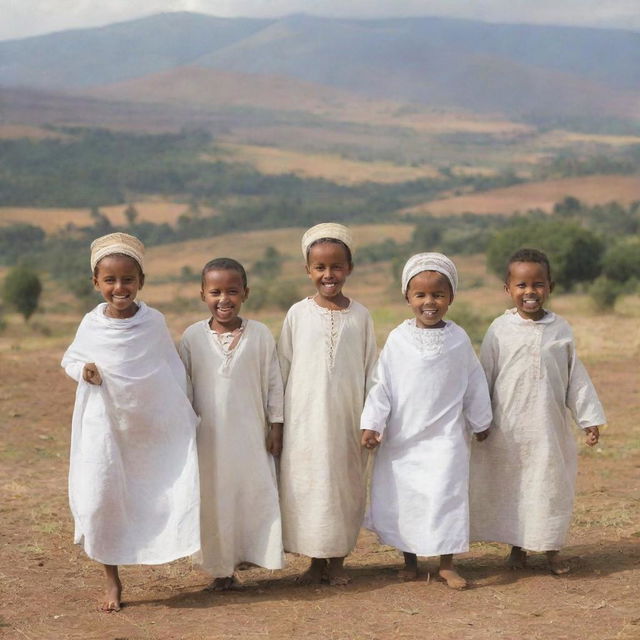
<point>519,70</point>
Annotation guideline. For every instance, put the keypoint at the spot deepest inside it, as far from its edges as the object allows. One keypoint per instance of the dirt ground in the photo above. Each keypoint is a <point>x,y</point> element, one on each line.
<point>49,589</point>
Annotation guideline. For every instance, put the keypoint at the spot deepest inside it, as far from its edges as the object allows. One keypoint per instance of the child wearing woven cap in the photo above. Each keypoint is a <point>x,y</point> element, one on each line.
<point>430,395</point>
<point>524,480</point>
<point>133,475</point>
<point>327,351</point>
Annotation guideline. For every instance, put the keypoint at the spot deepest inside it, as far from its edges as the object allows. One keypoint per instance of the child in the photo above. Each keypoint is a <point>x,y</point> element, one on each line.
<point>237,391</point>
<point>523,481</point>
<point>133,477</point>
<point>327,351</point>
<point>430,392</point>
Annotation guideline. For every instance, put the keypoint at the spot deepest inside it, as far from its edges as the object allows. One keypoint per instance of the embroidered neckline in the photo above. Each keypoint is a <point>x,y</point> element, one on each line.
<point>428,341</point>
<point>333,321</point>
<point>228,341</point>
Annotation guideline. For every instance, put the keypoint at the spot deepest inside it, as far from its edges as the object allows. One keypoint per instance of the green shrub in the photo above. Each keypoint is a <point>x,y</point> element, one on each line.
<point>621,262</point>
<point>22,289</point>
<point>604,293</point>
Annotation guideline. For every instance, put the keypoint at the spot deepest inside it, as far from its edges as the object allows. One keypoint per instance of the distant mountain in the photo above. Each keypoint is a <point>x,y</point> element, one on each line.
<point>519,70</point>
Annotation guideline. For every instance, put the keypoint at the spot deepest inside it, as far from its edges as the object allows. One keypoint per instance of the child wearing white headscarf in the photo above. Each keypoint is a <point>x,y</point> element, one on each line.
<point>133,475</point>
<point>327,351</point>
<point>430,395</point>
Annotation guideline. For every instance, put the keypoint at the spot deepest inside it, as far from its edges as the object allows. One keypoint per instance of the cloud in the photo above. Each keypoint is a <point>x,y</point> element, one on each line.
<point>21,18</point>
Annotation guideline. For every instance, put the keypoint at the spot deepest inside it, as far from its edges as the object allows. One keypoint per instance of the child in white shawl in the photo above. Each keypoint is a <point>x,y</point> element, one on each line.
<point>327,350</point>
<point>133,476</point>
<point>237,392</point>
<point>523,480</point>
<point>430,394</point>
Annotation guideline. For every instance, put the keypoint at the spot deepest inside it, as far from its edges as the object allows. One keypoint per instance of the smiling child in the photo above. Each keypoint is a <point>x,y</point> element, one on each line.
<point>430,395</point>
<point>523,479</point>
<point>237,391</point>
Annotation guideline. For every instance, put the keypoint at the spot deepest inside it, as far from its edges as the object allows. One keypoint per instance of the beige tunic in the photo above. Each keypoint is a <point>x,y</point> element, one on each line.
<point>523,475</point>
<point>327,358</point>
<point>236,392</point>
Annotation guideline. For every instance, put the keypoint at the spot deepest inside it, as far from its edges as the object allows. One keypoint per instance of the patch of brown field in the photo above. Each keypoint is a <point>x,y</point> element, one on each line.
<point>50,588</point>
<point>275,161</point>
<point>592,190</point>
<point>16,131</point>
<point>52,220</point>
<point>561,138</point>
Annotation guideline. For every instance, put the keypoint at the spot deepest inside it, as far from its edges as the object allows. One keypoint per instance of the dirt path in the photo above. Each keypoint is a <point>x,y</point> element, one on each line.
<point>49,588</point>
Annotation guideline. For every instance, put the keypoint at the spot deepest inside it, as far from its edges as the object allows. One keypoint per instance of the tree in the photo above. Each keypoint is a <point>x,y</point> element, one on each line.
<point>575,253</point>
<point>621,262</point>
<point>22,290</point>
<point>131,215</point>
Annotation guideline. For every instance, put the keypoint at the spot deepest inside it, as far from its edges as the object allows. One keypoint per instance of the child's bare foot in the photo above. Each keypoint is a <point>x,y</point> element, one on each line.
<point>315,572</point>
<point>113,592</point>
<point>453,579</point>
<point>448,573</point>
<point>517,558</point>
<point>336,575</point>
<point>410,569</point>
<point>557,565</point>
<point>222,584</point>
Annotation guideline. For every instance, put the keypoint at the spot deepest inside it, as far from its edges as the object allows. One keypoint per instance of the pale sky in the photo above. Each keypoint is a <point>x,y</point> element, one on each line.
<point>22,18</point>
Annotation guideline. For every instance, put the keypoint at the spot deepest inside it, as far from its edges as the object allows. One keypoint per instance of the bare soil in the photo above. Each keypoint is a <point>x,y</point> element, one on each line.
<point>50,589</point>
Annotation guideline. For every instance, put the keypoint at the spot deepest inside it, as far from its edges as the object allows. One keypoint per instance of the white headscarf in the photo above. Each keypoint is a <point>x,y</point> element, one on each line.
<point>117,243</point>
<point>429,262</point>
<point>326,230</point>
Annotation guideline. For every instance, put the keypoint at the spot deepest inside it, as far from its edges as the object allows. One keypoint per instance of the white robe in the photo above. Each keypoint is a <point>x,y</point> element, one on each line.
<point>327,358</point>
<point>430,392</point>
<point>236,394</point>
<point>523,476</point>
<point>133,476</point>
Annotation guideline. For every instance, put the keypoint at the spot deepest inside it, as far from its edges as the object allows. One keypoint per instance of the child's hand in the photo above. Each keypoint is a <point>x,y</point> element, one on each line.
<point>274,439</point>
<point>90,374</point>
<point>370,439</point>
<point>483,435</point>
<point>593,435</point>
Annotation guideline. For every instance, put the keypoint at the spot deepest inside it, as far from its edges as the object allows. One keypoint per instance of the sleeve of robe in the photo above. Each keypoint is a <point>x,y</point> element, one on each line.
<point>275,395</point>
<point>582,397</point>
<point>185,355</point>
<point>71,365</point>
<point>476,403</point>
<point>489,358</point>
<point>285,349</point>
<point>377,406</point>
<point>371,355</point>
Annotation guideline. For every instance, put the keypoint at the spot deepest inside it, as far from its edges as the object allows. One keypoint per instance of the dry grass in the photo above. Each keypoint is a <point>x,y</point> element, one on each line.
<point>538,195</point>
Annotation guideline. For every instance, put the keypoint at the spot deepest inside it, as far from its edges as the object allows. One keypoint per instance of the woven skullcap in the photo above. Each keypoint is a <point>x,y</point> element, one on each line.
<point>326,230</point>
<point>429,262</point>
<point>117,243</point>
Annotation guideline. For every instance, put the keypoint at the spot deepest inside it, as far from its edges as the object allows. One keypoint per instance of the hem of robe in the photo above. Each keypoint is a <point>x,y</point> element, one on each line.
<point>450,547</point>
<point>151,559</point>
<point>302,550</point>
<point>223,572</point>
<point>515,541</point>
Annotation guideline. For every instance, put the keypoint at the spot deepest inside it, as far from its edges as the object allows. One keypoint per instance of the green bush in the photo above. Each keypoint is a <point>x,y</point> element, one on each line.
<point>22,289</point>
<point>621,262</point>
<point>604,293</point>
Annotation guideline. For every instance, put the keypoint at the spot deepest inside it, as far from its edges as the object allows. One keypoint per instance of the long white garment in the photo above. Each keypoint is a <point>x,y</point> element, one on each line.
<point>133,476</point>
<point>236,393</point>
<point>523,476</point>
<point>430,393</point>
<point>327,358</point>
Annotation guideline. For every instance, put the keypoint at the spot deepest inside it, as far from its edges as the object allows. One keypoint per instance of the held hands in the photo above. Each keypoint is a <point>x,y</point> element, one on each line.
<point>274,439</point>
<point>592,435</point>
<point>370,439</point>
<point>483,435</point>
<point>90,374</point>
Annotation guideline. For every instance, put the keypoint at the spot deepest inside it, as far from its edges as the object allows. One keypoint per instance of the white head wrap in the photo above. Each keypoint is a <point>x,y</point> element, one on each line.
<point>117,243</point>
<point>429,262</point>
<point>326,230</point>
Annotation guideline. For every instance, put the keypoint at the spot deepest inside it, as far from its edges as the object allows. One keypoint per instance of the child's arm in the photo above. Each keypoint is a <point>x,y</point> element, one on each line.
<point>489,358</point>
<point>370,355</point>
<point>476,403</point>
<point>285,349</point>
<point>593,435</point>
<point>274,439</point>
<point>370,438</point>
<point>91,374</point>
<point>185,356</point>
<point>377,407</point>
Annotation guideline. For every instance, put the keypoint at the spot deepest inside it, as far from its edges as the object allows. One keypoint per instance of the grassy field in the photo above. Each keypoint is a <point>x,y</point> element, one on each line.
<point>50,588</point>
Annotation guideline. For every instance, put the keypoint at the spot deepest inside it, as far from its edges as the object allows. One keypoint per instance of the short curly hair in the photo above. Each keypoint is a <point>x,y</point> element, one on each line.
<point>528,255</point>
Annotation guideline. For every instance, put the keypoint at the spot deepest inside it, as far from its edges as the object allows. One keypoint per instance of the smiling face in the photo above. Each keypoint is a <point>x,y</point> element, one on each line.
<point>328,267</point>
<point>529,286</point>
<point>429,296</point>
<point>223,291</point>
<point>118,279</point>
